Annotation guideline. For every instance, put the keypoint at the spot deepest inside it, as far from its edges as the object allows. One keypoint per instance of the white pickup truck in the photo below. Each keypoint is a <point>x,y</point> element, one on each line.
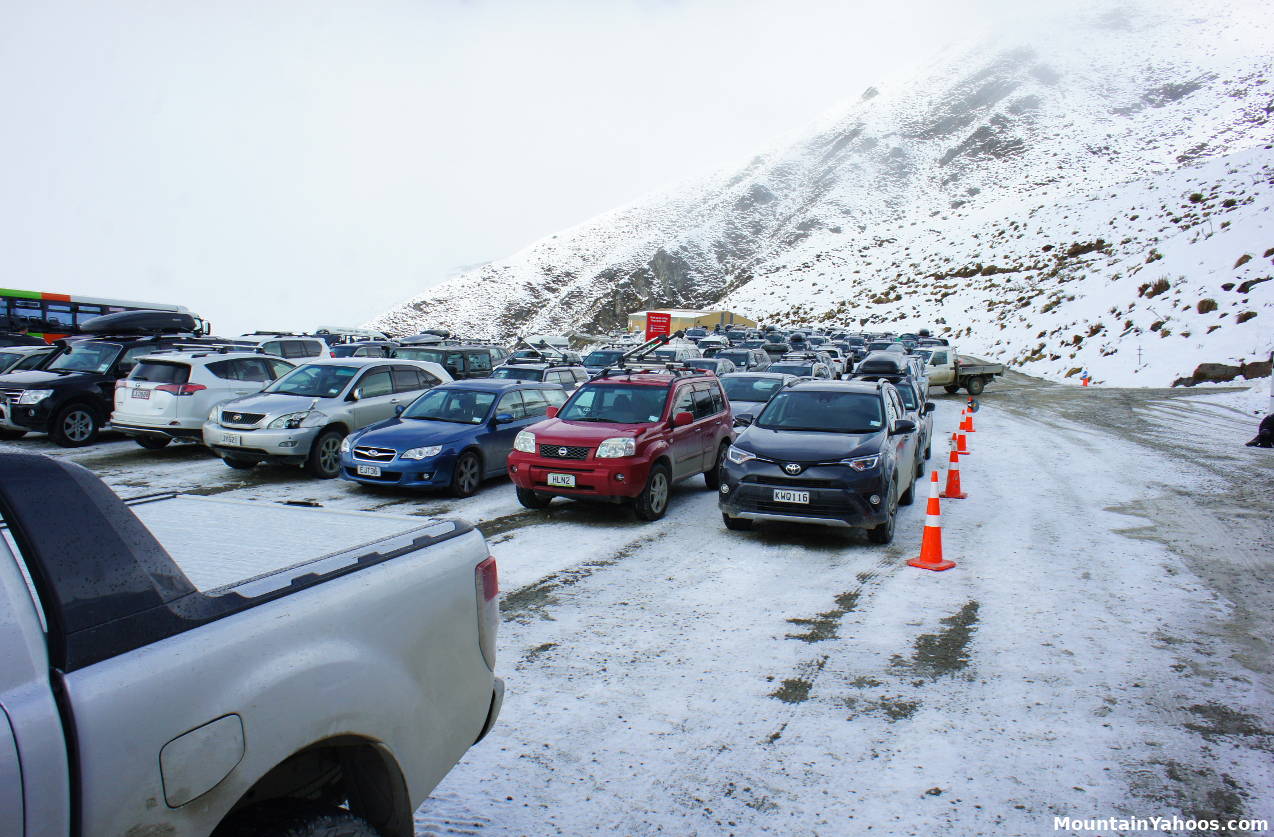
<point>951,371</point>
<point>183,665</point>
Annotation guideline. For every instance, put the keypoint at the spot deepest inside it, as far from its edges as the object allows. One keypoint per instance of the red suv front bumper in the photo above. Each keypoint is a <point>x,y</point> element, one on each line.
<point>614,479</point>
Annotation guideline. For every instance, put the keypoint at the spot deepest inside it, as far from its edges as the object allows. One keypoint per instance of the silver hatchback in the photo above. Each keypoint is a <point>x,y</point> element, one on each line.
<point>301,418</point>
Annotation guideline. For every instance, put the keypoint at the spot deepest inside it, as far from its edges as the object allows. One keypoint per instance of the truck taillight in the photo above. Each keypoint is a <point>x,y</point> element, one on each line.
<point>180,389</point>
<point>486,583</point>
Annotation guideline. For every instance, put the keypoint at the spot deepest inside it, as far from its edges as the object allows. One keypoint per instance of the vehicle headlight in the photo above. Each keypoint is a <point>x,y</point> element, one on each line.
<point>34,396</point>
<point>345,445</point>
<point>738,455</point>
<point>617,447</point>
<point>292,421</point>
<point>862,463</point>
<point>422,453</point>
<point>215,413</point>
<point>524,441</point>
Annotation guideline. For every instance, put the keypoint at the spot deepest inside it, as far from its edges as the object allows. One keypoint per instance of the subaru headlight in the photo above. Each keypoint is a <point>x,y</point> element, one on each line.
<point>738,455</point>
<point>524,441</point>
<point>34,396</point>
<point>422,453</point>
<point>293,421</point>
<point>617,447</point>
<point>862,463</point>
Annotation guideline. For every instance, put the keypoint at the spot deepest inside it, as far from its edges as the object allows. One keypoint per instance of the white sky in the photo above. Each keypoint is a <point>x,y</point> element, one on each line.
<point>295,164</point>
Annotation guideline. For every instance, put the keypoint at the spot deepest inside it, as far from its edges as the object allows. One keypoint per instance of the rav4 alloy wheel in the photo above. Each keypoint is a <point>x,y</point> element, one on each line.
<point>75,426</point>
<point>652,502</point>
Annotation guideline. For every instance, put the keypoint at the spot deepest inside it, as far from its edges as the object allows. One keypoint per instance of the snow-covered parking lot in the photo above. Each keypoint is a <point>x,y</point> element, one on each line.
<point>1101,649</point>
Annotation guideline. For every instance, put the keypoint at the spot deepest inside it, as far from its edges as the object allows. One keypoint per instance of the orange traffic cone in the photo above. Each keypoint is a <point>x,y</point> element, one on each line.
<point>966,425</point>
<point>962,444</point>
<point>953,490</point>
<point>931,544</point>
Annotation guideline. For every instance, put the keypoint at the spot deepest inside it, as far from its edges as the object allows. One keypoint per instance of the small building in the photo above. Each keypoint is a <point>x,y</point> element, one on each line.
<point>682,319</point>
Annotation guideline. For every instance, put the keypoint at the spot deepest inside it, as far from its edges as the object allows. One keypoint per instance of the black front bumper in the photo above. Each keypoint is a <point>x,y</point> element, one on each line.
<point>838,495</point>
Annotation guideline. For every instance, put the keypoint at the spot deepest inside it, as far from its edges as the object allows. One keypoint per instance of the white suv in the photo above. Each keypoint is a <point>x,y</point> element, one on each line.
<point>295,347</point>
<point>169,395</point>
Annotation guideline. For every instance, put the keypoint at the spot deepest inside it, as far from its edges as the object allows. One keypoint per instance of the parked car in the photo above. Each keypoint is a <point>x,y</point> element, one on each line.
<point>675,354</point>
<point>168,396</point>
<point>24,358</point>
<point>295,347</point>
<point>716,365</point>
<point>803,365</point>
<point>599,359</point>
<point>625,437</point>
<point>746,360</point>
<point>886,346</point>
<point>186,666</point>
<point>832,453</point>
<point>454,436</point>
<point>951,371</point>
<point>840,363</point>
<point>365,348</point>
<point>459,361</point>
<point>776,349</point>
<point>713,344</point>
<point>749,392</point>
<point>564,376</point>
<point>301,418</point>
<point>912,391</point>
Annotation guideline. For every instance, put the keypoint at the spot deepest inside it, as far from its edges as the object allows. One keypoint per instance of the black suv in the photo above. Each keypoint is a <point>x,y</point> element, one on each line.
<point>831,453</point>
<point>73,395</point>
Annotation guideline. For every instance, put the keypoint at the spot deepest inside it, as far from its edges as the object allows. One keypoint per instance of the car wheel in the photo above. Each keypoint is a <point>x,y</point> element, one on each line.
<point>296,819</point>
<point>909,496</point>
<point>952,389</point>
<point>467,476</point>
<point>712,478</point>
<point>883,533</point>
<point>239,464</point>
<point>325,456</point>
<point>929,449</point>
<point>153,442</point>
<point>75,426</point>
<point>7,435</point>
<point>736,524</point>
<point>976,385</point>
<point>533,499</point>
<point>652,502</point>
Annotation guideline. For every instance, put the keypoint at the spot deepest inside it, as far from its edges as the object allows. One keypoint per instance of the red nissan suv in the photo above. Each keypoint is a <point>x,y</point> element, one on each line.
<point>625,436</point>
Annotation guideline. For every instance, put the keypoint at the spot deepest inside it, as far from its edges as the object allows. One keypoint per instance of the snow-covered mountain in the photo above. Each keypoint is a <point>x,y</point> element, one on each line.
<point>1096,194</point>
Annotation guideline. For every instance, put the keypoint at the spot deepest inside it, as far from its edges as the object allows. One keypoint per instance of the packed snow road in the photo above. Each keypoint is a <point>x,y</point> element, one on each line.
<point>1101,649</point>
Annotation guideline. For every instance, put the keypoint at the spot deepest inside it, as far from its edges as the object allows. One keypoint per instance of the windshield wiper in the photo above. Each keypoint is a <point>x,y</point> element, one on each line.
<point>440,418</point>
<point>592,418</point>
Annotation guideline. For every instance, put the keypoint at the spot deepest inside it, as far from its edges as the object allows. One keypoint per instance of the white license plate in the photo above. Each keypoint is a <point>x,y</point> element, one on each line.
<point>231,439</point>
<point>782,496</point>
<point>562,480</point>
<point>369,470</point>
<point>141,393</point>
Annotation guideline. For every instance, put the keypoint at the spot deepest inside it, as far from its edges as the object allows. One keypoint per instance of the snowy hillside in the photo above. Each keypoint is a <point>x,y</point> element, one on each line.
<point>1095,197</point>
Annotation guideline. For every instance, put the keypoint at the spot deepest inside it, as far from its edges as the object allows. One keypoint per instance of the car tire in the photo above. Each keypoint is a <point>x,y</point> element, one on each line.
<point>7,435</point>
<point>909,496</point>
<point>951,389</point>
<point>736,524</point>
<point>652,502</point>
<point>883,533</point>
<point>712,477</point>
<point>533,499</point>
<point>929,450</point>
<point>976,385</point>
<point>75,426</point>
<point>295,819</point>
<point>466,476</point>
<point>153,442</point>
<point>325,455</point>
<point>239,464</point>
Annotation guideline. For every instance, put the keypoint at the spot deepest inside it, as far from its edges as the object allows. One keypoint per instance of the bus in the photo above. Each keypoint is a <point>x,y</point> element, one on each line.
<point>53,316</point>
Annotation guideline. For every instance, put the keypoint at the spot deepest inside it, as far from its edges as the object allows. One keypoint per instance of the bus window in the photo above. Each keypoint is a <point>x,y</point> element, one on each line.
<point>84,313</point>
<point>59,314</point>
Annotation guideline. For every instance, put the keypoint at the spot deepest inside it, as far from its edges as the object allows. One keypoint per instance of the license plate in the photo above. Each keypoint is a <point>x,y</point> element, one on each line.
<point>562,480</point>
<point>369,470</point>
<point>141,393</point>
<point>231,439</point>
<point>783,496</point>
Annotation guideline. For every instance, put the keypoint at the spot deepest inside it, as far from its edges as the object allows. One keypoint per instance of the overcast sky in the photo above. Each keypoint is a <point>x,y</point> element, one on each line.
<point>296,164</point>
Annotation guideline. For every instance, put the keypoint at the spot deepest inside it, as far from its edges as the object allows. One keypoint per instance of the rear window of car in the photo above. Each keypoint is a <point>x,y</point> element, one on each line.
<point>792,369</point>
<point>517,373</point>
<point>161,372</point>
<point>751,389</point>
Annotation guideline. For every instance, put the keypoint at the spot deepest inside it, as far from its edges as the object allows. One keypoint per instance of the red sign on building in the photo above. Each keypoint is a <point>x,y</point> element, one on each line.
<point>657,324</point>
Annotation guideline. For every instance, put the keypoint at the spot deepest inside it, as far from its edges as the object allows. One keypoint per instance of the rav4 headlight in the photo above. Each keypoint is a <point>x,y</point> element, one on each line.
<point>524,441</point>
<point>738,455</point>
<point>422,453</point>
<point>34,396</point>
<point>862,463</point>
<point>617,447</point>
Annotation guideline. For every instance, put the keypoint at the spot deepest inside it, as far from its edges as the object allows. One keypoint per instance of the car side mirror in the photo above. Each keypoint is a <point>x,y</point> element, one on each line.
<point>551,412</point>
<point>930,407</point>
<point>398,409</point>
<point>902,426</point>
<point>682,419</point>
<point>744,420</point>
<point>503,418</point>
<point>356,394</point>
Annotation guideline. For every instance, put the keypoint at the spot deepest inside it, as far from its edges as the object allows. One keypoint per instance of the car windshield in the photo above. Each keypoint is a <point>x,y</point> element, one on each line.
<point>8,359</point>
<point>408,353</point>
<point>314,380</point>
<point>602,358</point>
<point>822,411</point>
<point>517,373</point>
<point>751,389</point>
<point>463,406</point>
<point>791,368</point>
<point>89,356</point>
<point>616,403</point>
<point>737,358</point>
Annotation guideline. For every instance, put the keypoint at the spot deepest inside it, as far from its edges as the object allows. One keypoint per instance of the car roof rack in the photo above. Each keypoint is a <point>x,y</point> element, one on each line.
<point>630,363</point>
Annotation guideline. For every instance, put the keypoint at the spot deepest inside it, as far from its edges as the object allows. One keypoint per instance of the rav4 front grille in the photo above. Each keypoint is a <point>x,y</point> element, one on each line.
<point>563,452</point>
